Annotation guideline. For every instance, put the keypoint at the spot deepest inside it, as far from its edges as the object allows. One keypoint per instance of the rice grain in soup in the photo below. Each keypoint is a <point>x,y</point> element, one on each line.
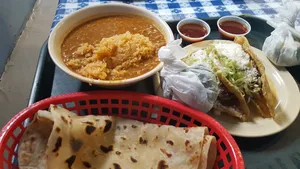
<point>113,47</point>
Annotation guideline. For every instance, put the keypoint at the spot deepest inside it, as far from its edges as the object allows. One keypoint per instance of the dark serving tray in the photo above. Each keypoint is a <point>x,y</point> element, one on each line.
<point>280,151</point>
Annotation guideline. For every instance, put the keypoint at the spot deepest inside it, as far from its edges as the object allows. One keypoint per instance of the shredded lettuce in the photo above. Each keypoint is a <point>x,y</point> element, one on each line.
<point>230,69</point>
<point>189,60</point>
<point>237,76</point>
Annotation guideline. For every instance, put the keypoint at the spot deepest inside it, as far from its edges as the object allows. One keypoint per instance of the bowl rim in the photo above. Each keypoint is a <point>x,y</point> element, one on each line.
<point>238,18</point>
<point>167,31</point>
<point>205,24</point>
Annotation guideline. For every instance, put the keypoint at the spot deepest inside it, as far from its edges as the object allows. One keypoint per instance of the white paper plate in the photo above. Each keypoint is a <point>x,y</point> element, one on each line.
<point>287,93</point>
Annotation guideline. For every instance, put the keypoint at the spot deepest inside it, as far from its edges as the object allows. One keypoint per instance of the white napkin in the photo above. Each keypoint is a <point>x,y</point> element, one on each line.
<point>195,86</point>
<point>283,47</point>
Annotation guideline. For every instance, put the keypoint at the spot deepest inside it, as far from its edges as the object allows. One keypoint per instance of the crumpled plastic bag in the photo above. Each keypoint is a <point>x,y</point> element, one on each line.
<point>195,86</point>
<point>288,13</point>
<point>282,47</point>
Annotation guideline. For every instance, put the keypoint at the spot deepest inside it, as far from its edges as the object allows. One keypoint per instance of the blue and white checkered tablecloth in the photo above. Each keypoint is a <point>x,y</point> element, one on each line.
<point>171,10</point>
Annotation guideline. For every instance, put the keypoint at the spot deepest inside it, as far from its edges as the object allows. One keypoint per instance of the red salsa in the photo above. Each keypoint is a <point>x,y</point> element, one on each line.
<point>233,27</point>
<point>193,30</point>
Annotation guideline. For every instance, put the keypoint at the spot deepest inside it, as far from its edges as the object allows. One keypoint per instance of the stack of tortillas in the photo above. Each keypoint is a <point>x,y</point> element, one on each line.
<point>60,139</point>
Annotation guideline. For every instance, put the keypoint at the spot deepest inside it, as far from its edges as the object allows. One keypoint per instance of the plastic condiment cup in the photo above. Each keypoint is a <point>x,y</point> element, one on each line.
<point>193,21</point>
<point>236,19</point>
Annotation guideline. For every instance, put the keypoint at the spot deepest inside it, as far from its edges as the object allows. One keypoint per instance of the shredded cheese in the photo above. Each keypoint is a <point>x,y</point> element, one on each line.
<point>200,57</point>
<point>233,52</point>
<point>236,53</point>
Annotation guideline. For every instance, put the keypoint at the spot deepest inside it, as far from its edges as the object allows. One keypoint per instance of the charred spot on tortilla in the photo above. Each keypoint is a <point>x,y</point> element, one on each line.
<point>97,120</point>
<point>90,129</point>
<point>166,153</point>
<point>193,158</point>
<point>117,166</point>
<point>76,144</point>
<point>118,127</point>
<point>133,160</point>
<point>32,139</point>
<point>70,122</point>
<point>70,161</point>
<point>94,153</point>
<point>64,119</point>
<point>106,149</point>
<point>124,127</point>
<point>57,144</point>
<point>186,130</point>
<point>86,164</point>
<point>57,129</point>
<point>187,142</point>
<point>107,125</point>
<point>162,165</point>
<point>123,138</point>
<point>143,141</point>
<point>118,152</point>
<point>57,154</point>
<point>134,126</point>
<point>170,142</point>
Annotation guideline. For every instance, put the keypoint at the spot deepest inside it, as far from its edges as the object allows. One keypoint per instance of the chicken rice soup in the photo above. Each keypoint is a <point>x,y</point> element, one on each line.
<point>113,47</point>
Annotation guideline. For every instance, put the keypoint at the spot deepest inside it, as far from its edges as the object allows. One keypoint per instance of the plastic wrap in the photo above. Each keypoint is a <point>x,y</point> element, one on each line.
<point>282,47</point>
<point>195,86</point>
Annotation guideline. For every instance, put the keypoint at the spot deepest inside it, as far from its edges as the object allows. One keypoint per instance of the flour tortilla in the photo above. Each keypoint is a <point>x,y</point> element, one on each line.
<point>32,146</point>
<point>81,142</point>
<point>209,152</point>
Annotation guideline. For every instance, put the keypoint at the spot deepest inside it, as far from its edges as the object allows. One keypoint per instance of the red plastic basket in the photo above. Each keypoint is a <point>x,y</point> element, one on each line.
<point>137,106</point>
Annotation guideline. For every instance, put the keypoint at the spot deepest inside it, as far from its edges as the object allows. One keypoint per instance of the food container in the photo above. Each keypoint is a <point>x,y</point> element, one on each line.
<point>193,30</point>
<point>73,20</point>
<point>232,26</point>
<point>137,106</point>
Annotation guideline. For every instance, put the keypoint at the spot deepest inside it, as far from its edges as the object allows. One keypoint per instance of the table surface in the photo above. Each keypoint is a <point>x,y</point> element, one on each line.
<point>279,151</point>
<point>174,10</point>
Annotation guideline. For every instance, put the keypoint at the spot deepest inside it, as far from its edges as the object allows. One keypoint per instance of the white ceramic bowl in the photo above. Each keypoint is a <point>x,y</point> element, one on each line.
<point>73,20</point>
<point>196,21</point>
<point>236,19</point>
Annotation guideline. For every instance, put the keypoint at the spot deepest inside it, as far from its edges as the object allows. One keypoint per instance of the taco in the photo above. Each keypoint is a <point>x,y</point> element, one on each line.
<point>242,80</point>
<point>264,100</point>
